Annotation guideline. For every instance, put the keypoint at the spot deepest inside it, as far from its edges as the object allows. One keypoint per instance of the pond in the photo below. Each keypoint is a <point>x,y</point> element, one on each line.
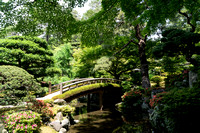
<point>109,120</point>
<point>97,122</point>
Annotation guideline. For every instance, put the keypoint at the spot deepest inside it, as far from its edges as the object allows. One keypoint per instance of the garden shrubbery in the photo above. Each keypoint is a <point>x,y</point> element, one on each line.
<point>178,111</point>
<point>177,80</point>
<point>22,122</point>
<point>42,108</point>
<point>15,84</point>
<point>175,110</point>
<point>131,105</point>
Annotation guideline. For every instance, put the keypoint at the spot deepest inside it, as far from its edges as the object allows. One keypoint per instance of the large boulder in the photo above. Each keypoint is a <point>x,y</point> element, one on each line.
<point>56,125</point>
<point>59,116</point>
<point>59,125</point>
<point>60,102</point>
<point>65,123</point>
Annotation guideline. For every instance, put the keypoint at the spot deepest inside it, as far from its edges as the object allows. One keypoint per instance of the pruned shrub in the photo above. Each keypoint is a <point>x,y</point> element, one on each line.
<point>15,84</point>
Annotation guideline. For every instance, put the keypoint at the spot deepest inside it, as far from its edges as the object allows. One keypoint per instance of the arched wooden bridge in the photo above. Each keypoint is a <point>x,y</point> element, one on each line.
<point>72,84</point>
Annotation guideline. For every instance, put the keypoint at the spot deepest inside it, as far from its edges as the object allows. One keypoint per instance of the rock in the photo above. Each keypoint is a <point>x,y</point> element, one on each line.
<point>63,130</point>
<point>65,124</point>
<point>59,116</point>
<point>56,125</point>
<point>4,131</point>
<point>76,121</point>
<point>60,102</point>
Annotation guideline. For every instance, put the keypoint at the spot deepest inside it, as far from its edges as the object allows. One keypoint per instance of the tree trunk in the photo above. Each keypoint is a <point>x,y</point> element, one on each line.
<point>144,65</point>
<point>143,59</point>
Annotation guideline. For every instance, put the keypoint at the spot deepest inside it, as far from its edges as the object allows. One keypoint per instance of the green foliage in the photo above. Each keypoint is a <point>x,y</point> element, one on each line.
<point>30,18</point>
<point>131,105</point>
<point>23,121</point>
<point>157,79</point>
<point>31,54</point>
<point>16,84</point>
<point>66,109</point>
<point>177,80</point>
<point>42,108</point>
<point>49,101</point>
<point>149,11</point>
<point>178,111</point>
<point>63,58</point>
<point>178,42</point>
<point>84,60</point>
<point>84,89</point>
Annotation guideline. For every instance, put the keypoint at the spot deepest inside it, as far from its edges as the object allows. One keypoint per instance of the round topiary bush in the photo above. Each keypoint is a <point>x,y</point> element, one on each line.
<point>15,84</point>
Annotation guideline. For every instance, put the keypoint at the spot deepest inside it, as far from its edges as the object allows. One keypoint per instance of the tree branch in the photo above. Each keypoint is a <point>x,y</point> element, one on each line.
<point>126,46</point>
<point>137,32</point>
<point>188,21</point>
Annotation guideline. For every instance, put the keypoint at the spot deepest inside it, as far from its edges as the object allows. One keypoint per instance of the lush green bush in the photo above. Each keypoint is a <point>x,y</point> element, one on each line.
<point>15,83</point>
<point>177,80</point>
<point>42,108</point>
<point>178,111</point>
<point>66,109</point>
<point>22,122</point>
<point>131,105</point>
<point>49,101</point>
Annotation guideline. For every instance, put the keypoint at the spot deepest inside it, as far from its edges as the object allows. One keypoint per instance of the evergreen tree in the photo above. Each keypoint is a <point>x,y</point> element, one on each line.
<point>29,53</point>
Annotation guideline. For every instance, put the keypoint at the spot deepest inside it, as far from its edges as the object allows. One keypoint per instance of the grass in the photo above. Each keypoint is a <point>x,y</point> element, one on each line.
<point>84,89</point>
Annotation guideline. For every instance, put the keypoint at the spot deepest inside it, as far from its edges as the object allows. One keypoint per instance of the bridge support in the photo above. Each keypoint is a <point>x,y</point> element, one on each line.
<point>101,100</point>
<point>50,87</point>
<point>88,102</point>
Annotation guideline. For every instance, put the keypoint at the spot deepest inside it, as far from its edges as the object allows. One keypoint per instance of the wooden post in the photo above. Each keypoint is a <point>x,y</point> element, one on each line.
<point>61,88</point>
<point>88,103</point>
<point>101,100</point>
<point>50,87</point>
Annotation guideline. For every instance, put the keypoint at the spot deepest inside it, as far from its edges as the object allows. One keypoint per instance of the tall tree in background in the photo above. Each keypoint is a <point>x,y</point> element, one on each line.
<point>63,58</point>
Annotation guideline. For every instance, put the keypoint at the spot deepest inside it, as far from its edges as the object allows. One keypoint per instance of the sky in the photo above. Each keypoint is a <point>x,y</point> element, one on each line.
<point>81,10</point>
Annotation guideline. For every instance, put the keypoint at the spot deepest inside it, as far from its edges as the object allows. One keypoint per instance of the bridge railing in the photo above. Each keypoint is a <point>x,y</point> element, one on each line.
<point>69,85</point>
<point>58,86</point>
